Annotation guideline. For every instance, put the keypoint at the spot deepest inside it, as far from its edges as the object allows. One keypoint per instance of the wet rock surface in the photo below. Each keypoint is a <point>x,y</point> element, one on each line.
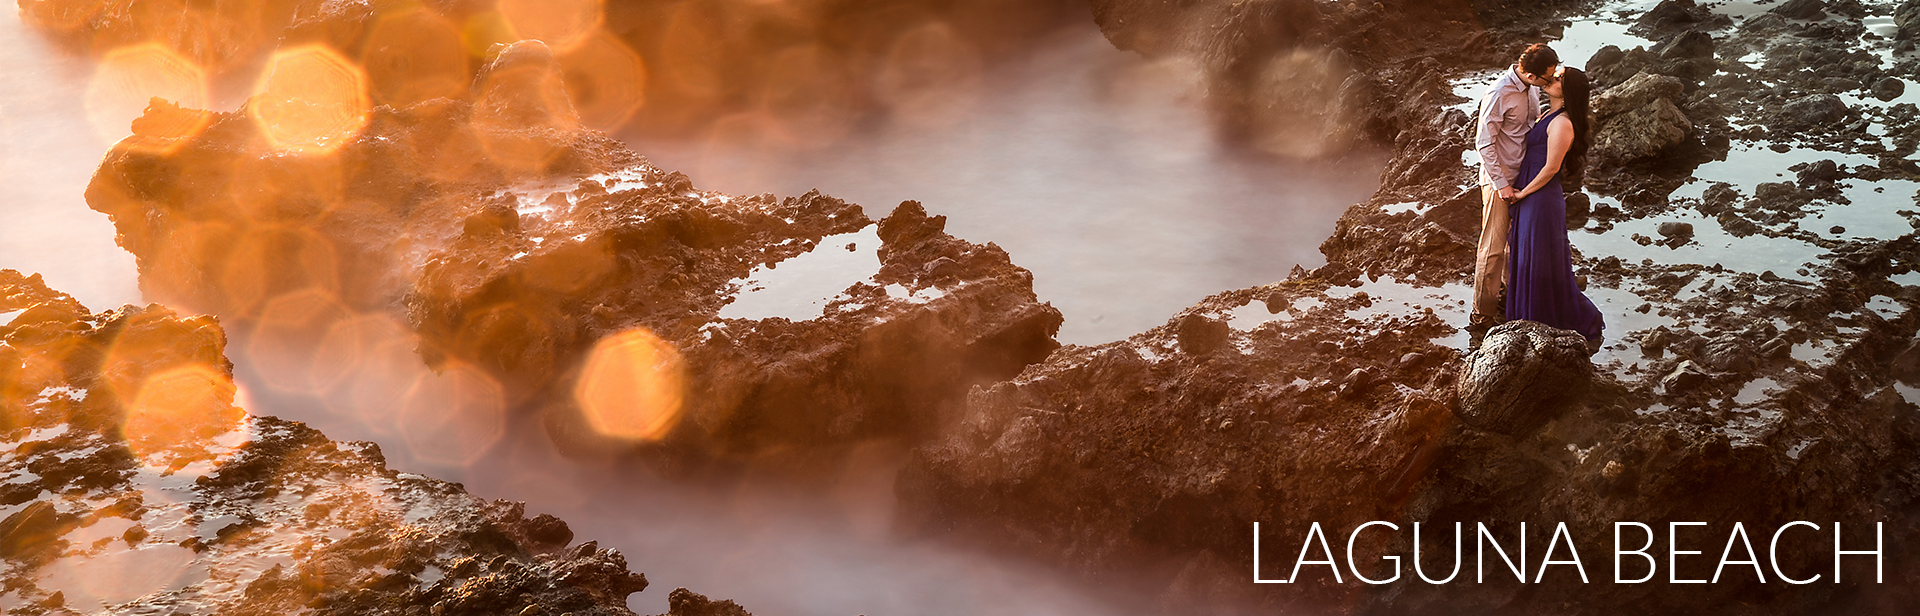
<point>134,486</point>
<point>513,239</point>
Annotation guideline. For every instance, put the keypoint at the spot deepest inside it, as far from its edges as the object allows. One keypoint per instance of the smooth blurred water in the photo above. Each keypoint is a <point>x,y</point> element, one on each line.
<point>48,151</point>
<point>1096,169</point>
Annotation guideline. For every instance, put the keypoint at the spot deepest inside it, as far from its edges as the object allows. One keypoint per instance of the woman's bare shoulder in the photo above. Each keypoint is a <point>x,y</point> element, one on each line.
<point>1561,122</point>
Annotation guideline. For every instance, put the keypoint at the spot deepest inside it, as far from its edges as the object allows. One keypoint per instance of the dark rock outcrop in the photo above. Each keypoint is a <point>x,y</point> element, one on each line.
<point>1907,19</point>
<point>1814,110</point>
<point>1523,375</point>
<point>1638,121</point>
<point>1801,9</point>
<point>1672,17</point>
<point>1141,462</point>
<point>683,602</point>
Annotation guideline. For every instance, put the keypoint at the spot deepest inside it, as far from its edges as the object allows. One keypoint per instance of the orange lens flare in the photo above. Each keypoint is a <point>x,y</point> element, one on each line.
<point>561,24</point>
<point>415,55</point>
<point>178,413</point>
<point>374,366</point>
<point>269,261</point>
<point>310,100</point>
<point>633,387</point>
<point>129,78</point>
<point>811,96</point>
<point>606,80</point>
<point>692,51</point>
<point>455,416</point>
<point>287,336</point>
<point>931,76</point>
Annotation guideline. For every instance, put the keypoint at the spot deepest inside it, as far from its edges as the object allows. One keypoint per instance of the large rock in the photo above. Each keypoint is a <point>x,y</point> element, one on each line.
<point>1134,460</point>
<point>1906,365</point>
<point>1693,44</point>
<point>1801,9</point>
<point>1672,17</point>
<point>1907,19</point>
<point>136,486</point>
<point>1814,110</point>
<point>1639,91</point>
<point>683,602</point>
<point>1644,133</point>
<point>1888,88</point>
<point>1523,375</point>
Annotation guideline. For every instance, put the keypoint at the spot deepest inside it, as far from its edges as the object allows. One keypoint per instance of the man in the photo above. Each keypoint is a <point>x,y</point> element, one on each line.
<point>1507,112</point>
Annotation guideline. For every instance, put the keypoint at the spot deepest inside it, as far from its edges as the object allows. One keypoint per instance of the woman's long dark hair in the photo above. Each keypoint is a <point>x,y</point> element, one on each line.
<point>1575,89</point>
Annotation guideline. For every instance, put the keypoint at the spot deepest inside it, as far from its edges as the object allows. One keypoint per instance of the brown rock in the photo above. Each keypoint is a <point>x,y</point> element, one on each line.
<point>1523,375</point>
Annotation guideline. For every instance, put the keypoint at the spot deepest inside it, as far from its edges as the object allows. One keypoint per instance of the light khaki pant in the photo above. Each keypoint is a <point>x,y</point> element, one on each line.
<point>1490,259</point>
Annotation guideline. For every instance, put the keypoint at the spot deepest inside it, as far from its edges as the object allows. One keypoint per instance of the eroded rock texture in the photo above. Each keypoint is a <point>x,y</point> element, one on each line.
<point>1144,460</point>
<point>135,486</point>
<point>514,240</point>
<point>1524,374</point>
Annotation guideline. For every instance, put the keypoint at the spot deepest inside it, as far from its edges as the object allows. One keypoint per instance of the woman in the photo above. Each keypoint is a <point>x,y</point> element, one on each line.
<point>1540,284</point>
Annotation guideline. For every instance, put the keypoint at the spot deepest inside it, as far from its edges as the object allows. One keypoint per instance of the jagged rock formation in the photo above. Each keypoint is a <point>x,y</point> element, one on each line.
<point>515,240</point>
<point>683,602</point>
<point>135,486</point>
<point>1637,121</point>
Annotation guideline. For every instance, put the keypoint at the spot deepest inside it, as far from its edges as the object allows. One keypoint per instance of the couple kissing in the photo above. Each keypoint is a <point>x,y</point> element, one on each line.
<point>1523,253</point>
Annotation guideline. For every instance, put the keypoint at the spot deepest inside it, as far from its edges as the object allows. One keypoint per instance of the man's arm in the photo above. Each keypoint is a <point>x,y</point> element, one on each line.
<point>1499,114</point>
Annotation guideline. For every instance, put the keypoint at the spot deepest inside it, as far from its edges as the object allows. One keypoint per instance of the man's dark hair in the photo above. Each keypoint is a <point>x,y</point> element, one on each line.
<point>1539,59</point>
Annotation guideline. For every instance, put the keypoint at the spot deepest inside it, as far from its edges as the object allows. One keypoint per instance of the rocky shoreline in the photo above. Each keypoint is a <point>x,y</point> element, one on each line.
<point>524,271</point>
<point>1331,397</point>
<point>1759,367</point>
<point>134,486</point>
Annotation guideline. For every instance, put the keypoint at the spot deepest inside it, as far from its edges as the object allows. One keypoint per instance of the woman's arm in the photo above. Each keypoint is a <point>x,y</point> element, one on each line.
<point>1559,138</point>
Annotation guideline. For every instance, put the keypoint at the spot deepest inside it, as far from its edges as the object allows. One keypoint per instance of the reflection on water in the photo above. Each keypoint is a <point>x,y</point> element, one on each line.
<point>48,150</point>
<point>1095,169</point>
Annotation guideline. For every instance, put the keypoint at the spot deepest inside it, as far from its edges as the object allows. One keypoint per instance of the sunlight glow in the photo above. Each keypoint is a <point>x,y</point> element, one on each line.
<point>632,387</point>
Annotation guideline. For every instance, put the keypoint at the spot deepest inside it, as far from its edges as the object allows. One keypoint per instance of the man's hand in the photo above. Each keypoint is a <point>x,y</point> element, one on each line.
<point>1505,194</point>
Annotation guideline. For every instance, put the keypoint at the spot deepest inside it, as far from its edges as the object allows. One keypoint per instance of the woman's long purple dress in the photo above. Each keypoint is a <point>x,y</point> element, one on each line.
<point>1540,283</point>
